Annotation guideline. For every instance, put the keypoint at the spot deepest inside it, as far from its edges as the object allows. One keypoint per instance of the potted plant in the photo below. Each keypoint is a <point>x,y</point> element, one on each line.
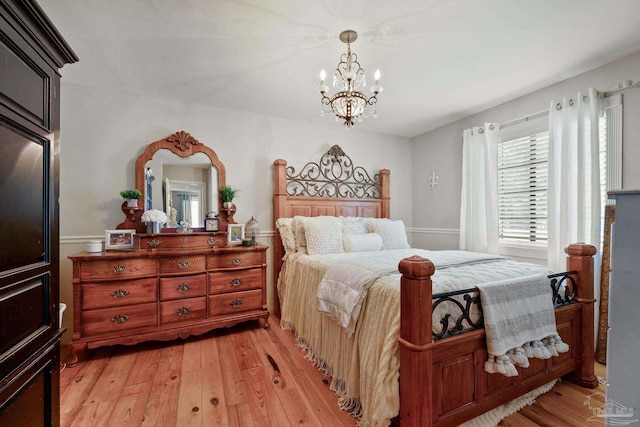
<point>132,197</point>
<point>227,194</point>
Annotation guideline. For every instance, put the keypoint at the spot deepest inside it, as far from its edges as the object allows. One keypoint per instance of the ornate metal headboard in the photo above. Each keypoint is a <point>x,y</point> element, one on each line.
<point>333,176</point>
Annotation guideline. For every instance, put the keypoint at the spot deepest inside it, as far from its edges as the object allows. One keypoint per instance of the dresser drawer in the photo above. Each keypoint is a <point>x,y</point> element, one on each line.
<point>116,269</point>
<point>232,281</point>
<point>119,319</point>
<point>183,310</point>
<point>183,287</point>
<point>235,302</point>
<point>182,264</point>
<point>234,260</point>
<point>180,241</point>
<point>111,294</point>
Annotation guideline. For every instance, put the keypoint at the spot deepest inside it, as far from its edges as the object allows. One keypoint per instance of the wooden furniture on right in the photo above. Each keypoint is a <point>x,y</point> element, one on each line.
<point>31,54</point>
<point>623,377</point>
<point>442,383</point>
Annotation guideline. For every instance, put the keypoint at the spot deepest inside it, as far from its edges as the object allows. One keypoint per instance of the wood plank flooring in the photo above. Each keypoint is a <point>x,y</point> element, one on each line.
<point>243,376</point>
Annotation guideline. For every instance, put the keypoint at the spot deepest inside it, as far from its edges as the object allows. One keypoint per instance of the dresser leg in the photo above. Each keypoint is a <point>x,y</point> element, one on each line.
<point>78,352</point>
<point>266,322</point>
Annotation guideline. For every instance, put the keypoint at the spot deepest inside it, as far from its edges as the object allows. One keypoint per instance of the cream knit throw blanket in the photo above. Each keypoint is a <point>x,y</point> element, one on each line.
<point>345,285</point>
<point>519,323</point>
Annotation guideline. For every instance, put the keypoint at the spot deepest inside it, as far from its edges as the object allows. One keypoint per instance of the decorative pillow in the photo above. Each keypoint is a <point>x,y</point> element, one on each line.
<point>301,238</point>
<point>287,234</point>
<point>323,235</point>
<point>393,233</point>
<point>361,242</point>
<point>354,225</point>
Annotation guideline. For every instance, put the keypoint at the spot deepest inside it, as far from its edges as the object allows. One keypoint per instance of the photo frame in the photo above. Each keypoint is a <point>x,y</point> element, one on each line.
<point>235,234</point>
<point>119,239</point>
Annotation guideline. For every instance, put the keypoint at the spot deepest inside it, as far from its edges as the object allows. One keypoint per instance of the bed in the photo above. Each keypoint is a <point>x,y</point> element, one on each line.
<point>419,373</point>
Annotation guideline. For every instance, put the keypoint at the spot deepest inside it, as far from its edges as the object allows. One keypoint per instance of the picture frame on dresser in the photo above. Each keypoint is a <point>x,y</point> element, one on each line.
<point>235,234</point>
<point>119,239</point>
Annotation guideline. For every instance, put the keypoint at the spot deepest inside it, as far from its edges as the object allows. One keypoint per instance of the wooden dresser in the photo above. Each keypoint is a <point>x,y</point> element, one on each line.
<point>164,293</point>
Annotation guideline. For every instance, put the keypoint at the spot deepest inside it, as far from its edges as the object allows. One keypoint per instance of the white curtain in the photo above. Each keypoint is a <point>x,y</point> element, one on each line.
<point>479,200</point>
<point>574,177</point>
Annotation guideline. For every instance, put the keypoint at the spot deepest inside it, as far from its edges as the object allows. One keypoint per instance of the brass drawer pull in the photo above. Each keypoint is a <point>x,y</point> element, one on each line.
<point>236,281</point>
<point>120,319</point>
<point>184,239</point>
<point>236,261</point>
<point>120,293</point>
<point>183,287</point>
<point>184,264</point>
<point>119,269</point>
<point>236,303</point>
<point>183,311</point>
<point>154,243</point>
<point>212,240</point>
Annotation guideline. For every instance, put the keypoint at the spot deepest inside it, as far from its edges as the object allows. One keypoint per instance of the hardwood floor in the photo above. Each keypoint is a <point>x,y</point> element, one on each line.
<point>243,376</point>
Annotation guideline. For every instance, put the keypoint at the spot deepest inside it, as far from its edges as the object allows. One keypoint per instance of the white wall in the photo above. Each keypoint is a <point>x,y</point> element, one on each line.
<point>436,218</point>
<point>103,132</point>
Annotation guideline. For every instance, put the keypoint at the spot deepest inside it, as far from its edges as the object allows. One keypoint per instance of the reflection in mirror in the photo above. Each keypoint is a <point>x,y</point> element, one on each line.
<point>185,188</point>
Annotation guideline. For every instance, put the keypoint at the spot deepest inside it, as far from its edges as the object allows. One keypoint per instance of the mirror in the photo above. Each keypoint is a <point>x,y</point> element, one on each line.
<point>181,177</point>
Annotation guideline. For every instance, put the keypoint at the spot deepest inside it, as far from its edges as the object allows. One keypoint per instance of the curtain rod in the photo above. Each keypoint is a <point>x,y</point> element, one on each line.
<point>627,84</point>
<point>524,119</point>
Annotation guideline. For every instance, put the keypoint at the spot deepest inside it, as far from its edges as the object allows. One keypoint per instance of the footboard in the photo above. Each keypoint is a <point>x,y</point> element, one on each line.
<point>444,382</point>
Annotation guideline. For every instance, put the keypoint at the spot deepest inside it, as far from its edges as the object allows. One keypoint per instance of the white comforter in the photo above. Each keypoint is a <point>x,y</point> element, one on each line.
<point>365,366</point>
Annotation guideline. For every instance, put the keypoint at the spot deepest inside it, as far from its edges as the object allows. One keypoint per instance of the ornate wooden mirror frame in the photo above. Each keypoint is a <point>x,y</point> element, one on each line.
<point>183,145</point>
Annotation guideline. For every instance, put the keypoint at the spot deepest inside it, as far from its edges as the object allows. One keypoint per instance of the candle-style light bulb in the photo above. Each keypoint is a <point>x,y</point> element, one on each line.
<point>322,76</point>
<point>377,76</point>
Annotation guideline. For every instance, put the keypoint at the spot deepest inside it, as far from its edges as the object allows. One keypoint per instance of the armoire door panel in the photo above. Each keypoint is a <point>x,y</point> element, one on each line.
<point>24,203</point>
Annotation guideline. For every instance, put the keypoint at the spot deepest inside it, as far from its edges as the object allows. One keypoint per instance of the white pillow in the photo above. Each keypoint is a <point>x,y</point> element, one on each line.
<point>354,225</point>
<point>361,242</point>
<point>393,233</point>
<point>301,238</point>
<point>287,235</point>
<point>323,235</point>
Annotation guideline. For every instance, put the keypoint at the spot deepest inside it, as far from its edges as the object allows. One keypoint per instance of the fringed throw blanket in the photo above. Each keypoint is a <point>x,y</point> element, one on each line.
<point>519,323</point>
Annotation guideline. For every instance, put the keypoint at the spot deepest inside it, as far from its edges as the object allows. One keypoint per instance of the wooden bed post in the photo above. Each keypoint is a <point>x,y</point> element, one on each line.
<point>416,342</point>
<point>279,210</point>
<point>385,192</point>
<point>580,258</point>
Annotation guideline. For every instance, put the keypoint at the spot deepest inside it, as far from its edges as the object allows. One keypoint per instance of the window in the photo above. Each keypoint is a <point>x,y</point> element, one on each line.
<point>523,164</point>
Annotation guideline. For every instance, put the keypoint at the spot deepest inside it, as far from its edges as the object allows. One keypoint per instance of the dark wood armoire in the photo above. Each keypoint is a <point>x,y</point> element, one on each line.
<point>31,53</point>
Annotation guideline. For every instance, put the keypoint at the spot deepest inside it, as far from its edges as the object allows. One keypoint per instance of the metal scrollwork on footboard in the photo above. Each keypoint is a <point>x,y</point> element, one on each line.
<point>563,286</point>
<point>333,176</point>
<point>463,311</point>
<point>471,299</point>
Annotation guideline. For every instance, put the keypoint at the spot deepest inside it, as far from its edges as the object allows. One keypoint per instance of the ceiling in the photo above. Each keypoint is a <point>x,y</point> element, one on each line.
<point>441,60</point>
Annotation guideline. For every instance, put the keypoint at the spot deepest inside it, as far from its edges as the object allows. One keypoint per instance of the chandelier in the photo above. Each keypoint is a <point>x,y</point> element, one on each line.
<point>349,104</point>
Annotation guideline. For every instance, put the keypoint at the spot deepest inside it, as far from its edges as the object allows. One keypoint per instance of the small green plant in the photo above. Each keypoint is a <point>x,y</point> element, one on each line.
<point>131,194</point>
<point>227,193</point>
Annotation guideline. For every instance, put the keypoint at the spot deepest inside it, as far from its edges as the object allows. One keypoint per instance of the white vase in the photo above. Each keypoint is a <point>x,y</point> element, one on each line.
<point>227,205</point>
<point>132,203</point>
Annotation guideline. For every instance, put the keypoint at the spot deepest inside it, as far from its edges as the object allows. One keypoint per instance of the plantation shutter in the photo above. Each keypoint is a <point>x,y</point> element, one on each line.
<point>522,188</point>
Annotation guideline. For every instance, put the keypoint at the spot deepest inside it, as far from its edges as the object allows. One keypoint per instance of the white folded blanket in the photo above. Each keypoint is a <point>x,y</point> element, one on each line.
<point>345,285</point>
<point>519,323</point>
